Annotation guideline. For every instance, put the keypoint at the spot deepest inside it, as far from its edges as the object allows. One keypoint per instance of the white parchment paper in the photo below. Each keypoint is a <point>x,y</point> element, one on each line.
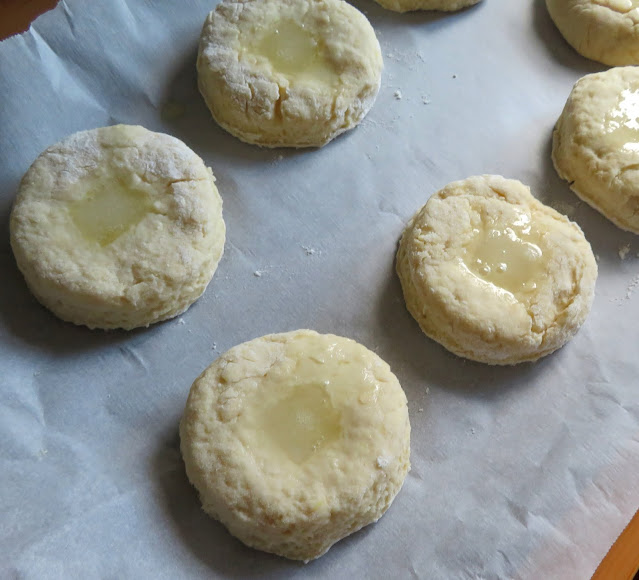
<point>524,472</point>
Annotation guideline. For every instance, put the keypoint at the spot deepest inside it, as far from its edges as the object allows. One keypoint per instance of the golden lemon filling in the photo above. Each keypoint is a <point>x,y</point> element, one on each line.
<point>507,255</point>
<point>621,124</point>
<point>302,423</point>
<point>293,51</point>
<point>108,210</point>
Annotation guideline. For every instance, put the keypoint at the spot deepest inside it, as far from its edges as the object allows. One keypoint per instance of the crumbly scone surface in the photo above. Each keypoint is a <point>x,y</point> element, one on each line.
<point>280,102</point>
<point>602,30</point>
<point>410,5</point>
<point>147,263</point>
<point>474,315</point>
<point>259,473</point>
<point>596,144</point>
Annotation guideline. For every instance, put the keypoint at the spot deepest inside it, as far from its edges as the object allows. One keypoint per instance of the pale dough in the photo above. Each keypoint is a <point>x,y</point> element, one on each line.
<point>602,30</point>
<point>493,274</point>
<point>296,440</point>
<point>117,227</point>
<point>288,73</point>
<point>596,144</point>
<point>409,5</point>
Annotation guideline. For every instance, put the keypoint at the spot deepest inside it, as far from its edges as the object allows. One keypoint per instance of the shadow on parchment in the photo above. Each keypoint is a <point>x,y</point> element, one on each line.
<point>209,540</point>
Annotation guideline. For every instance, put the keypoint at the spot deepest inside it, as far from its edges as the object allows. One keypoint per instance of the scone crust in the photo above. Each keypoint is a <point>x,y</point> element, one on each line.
<point>261,106</point>
<point>441,5</point>
<point>602,30</point>
<point>295,510</point>
<point>604,176</point>
<point>471,320</point>
<point>153,271</point>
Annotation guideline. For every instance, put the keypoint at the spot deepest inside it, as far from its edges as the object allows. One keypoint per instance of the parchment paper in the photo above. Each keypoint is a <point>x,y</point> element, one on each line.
<point>521,472</point>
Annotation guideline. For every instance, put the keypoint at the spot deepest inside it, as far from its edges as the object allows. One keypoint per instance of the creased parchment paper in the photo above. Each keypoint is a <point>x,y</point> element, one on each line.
<point>524,472</point>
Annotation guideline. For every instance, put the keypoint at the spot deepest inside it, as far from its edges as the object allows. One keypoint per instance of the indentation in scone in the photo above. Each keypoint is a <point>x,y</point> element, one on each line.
<point>602,30</point>
<point>296,440</point>
<point>288,73</point>
<point>117,227</point>
<point>493,274</point>
<point>596,144</point>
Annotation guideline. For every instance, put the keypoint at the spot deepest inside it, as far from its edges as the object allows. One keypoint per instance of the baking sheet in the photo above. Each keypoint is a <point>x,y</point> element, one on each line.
<point>524,472</point>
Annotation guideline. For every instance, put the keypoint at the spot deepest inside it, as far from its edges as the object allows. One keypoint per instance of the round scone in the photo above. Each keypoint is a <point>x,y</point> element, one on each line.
<point>602,30</point>
<point>409,5</point>
<point>296,440</point>
<point>596,144</point>
<point>288,73</point>
<point>494,275</point>
<point>117,227</point>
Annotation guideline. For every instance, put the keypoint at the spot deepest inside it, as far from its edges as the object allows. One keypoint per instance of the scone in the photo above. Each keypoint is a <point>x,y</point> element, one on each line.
<point>288,73</point>
<point>494,275</point>
<point>117,227</point>
<point>443,5</point>
<point>602,30</point>
<point>596,144</point>
<point>296,440</point>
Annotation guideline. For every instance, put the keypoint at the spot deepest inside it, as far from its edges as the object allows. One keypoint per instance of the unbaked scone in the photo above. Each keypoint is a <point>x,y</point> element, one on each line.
<point>409,5</point>
<point>288,73</point>
<point>117,227</point>
<point>596,144</point>
<point>296,440</point>
<point>493,274</point>
<point>602,30</point>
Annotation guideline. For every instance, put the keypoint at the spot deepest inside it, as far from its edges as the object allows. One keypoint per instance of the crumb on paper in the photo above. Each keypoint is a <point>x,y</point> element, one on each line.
<point>421,409</point>
<point>398,95</point>
<point>623,251</point>
<point>214,347</point>
<point>257,273</point>
<point>425,100</point>
<point>428,390</point>
<point>597,257</point>
<point>181,321</point>
<point>454,76</point>
<point>632,286</point>
<point>308,250</point>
